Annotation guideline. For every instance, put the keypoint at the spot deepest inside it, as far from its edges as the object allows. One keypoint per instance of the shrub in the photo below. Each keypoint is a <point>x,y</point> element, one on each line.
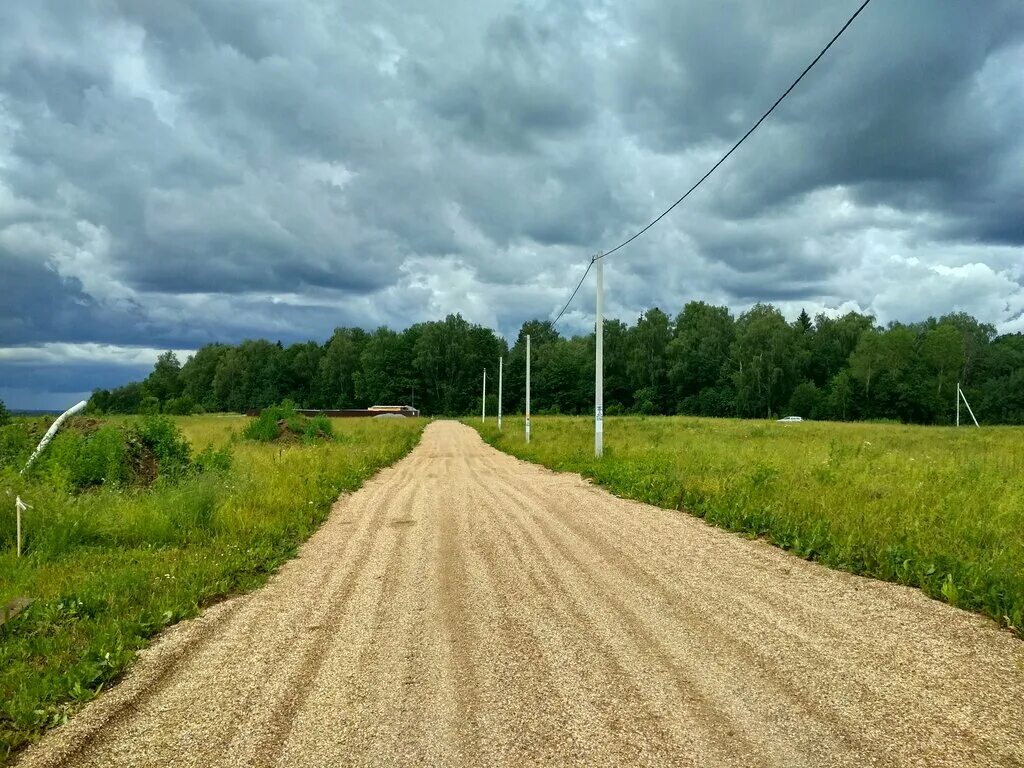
<point>317,428</point>
<point>160,435</point>
<point>281,422</point>
<point>211,459</point>
<point>180,406</point>
<point>76,460</point>
<point>15,444</point>
<point>149,406</point>
<point>88,453</point>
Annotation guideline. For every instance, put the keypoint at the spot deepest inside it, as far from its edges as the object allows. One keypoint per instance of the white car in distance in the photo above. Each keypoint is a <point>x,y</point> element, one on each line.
<point>790,419</point>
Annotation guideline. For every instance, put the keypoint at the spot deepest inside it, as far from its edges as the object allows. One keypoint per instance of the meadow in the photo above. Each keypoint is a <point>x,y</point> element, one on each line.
<point>108,568</point>
<point>938,508</point>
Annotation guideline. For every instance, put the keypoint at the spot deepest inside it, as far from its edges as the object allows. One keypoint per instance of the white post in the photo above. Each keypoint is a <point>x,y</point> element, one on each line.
<point>969,408</point>
<point>501,373</point>
<point>527,387</point>
<point>958,403</point>
<point>19,507</point>
<point>599,362</point>
<point>483,405</point>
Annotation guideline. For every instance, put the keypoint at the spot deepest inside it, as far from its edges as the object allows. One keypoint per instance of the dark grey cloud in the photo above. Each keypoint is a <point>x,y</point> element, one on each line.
<point>188,171</point>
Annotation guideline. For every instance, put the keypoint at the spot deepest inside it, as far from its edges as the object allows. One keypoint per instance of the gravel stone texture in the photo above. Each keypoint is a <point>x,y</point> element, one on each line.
<point>465,608</point>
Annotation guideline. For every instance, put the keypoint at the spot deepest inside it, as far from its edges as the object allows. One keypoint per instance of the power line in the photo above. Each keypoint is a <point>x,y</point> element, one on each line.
<point>573,296</point>
<point>724,157</point>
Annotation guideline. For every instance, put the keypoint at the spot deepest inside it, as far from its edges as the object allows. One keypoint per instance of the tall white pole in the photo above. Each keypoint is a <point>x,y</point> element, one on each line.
<point>501,374</point>
<point>483,400</point>
<point>527,387</point>
<point>969,408</point>
<point>599,362</point>
<point>958,403</point>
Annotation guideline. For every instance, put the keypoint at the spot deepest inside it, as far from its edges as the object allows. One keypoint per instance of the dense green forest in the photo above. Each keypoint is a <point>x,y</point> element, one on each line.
<point>704,361</point>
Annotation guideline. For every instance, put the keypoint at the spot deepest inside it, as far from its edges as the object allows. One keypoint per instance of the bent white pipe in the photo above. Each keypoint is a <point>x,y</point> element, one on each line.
<point>51,432</point>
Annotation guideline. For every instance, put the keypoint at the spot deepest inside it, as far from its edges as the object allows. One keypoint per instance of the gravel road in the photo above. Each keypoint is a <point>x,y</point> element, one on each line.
<point>466,608</point>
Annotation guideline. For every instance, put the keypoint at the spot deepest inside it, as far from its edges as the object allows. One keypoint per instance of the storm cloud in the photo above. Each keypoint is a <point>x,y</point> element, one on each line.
<point>183,172</point>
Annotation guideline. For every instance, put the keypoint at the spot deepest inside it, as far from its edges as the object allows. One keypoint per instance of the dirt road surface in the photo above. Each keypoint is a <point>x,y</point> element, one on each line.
<point>468,609</point>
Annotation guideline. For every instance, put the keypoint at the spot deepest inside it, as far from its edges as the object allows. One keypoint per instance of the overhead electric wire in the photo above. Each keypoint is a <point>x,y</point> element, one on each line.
<point>573,296</point>
<point>723,158</point>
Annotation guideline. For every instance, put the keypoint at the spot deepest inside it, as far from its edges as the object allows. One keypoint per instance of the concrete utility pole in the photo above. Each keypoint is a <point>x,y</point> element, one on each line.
<point>960,394</point>
<point>501,374</point>
<point>599,362</point>
<point>527,387</point>
<point>483,403</point>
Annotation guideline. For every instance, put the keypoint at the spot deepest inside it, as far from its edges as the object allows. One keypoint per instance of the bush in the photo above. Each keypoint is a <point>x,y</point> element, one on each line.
<point>149,406</point>
<point>87,454</point>
<point>76,460</point>
<point>643,401</point>
<point>281,422</point>
<point>211,459</point>
<point>161,436</point>
<point>317,428</point>
<point>15,444</point>
<point>180,406</point>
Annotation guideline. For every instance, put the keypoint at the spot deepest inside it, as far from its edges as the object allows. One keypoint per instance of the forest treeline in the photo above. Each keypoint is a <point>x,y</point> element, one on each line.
<point>703,361</point>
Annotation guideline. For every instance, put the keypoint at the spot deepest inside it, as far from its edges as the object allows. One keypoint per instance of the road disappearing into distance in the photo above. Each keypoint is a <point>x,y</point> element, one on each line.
<point>465,608</point>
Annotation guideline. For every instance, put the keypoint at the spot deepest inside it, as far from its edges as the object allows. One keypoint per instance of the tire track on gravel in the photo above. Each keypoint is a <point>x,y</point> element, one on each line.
<point>464,608</point>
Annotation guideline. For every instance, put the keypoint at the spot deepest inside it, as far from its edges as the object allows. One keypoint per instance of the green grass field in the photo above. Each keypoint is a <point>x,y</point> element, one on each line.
<point>937,508</point>
<point>110,568</point>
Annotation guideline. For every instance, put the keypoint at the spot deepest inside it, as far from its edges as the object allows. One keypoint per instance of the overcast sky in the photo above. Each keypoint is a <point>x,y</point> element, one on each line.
<point>174,173</point>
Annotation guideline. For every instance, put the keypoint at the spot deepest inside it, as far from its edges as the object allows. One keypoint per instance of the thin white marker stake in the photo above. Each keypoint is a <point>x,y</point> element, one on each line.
<point>19,507</point>
<point>483,407</point>
<point>501,372</point>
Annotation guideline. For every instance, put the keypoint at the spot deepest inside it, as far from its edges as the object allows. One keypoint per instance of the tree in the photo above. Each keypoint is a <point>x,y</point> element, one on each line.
<point>165,380</point>
<point>646,364</point>
<point>197,375</point>
<point>833,341</point>
<point>803,322</point>
<point>299,372</point>
<point>942,350</point>
<point>976,339</point>
<point>126,399</point>
<point>5,415</point>
<point>542,336</point>
<point>765,359</point>
<point>805,400</point>
<point>99,402</point>
<point>335,382</point>
<point>386,372</point>
<point>702,362</point>
<point>698,352</point>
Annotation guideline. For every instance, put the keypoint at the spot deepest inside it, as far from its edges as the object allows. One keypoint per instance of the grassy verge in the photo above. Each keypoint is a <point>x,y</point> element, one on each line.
<point>108,569</point>
<point>937,508</point>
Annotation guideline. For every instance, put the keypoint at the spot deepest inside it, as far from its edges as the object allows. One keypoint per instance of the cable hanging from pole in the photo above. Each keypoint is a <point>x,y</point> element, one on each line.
<point>574,292</point>
<point>724,157</point>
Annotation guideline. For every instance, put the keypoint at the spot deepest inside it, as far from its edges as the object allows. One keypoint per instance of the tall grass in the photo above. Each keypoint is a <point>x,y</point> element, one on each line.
<point>110,568</point>
<point>937,508</point>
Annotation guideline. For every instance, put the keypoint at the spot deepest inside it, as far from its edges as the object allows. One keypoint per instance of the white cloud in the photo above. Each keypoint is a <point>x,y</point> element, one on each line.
<point>60,353</point>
